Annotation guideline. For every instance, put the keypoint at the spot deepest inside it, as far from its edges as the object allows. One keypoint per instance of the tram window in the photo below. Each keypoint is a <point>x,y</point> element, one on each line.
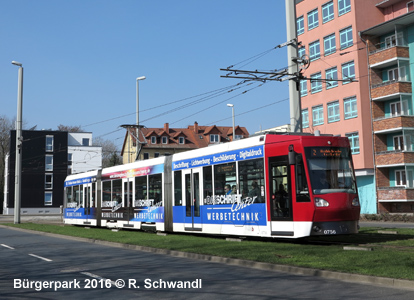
<point>251,179</point>
<point>77,196</point>
<point>178,193</point>
<point>116,194</point>
<point>281,200</point>
<point>141,188</point>
<point>69,197</point>
<point>106,192</point>
<point>93,203</point>
<point>155,187</point>
<point>207,182</point>
<point>224,174</point>
<point>302,191</point>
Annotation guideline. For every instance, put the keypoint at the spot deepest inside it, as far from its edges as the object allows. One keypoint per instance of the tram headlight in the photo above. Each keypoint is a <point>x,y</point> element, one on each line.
<point>319,202</point>
<point>355,201</point>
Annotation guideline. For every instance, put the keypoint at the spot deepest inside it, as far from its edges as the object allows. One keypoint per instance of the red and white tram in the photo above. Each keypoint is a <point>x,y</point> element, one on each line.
<point>267,186</point>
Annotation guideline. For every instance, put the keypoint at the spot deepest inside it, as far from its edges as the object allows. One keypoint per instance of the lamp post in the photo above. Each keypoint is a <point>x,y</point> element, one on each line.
<point>18,166</point>
<point>138,145</point>
<point>232,112</point>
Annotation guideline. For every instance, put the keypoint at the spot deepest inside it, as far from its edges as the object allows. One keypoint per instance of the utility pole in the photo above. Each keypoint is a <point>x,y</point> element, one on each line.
<point>292,52</point>
<point>18,166</point>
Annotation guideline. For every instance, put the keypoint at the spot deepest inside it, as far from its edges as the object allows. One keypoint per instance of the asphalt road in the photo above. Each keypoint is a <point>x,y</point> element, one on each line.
<point>60,268</point>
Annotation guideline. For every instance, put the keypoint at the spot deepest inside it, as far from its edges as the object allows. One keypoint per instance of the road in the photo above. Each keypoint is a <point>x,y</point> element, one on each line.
<point>64,269</point>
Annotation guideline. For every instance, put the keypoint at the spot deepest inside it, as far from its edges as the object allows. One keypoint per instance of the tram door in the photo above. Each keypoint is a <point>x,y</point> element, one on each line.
<point>87,201</point>
<point>192,193</point>
<point>128,200</point>
<point>281,213</point>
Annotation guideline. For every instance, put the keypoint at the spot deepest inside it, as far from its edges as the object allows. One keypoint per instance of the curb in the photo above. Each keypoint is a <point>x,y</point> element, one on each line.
<point>346,277</point>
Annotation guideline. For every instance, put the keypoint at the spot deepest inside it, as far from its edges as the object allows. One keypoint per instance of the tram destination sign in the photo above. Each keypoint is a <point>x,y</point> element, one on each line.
<point>329,152</point>
<point>219,158</point>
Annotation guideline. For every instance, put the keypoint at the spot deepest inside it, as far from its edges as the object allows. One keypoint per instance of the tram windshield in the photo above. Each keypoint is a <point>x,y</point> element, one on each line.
<point>330,170</point>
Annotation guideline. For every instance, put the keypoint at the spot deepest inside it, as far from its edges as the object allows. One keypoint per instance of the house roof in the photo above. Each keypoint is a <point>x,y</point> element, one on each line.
<point>196,136</point>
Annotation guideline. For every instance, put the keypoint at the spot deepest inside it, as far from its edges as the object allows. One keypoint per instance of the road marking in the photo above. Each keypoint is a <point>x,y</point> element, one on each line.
<point>37,256</point>
<point>97,277</point>
<point>6,246</point>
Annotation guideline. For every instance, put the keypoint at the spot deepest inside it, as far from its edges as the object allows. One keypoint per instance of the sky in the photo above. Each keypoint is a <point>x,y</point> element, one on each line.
<point>81,59</point>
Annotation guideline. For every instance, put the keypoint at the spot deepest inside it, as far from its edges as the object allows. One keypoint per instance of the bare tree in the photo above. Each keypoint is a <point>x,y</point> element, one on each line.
<point>70,128</point>
<point>6,125</point>
<point>110,153</point>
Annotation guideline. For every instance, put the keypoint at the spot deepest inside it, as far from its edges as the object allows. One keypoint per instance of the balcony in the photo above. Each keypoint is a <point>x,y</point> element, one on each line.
<point>392,158</point>
<point>394,124</point>
<point>390,88</point>
<point>386,57</point>
<point>392,194</point>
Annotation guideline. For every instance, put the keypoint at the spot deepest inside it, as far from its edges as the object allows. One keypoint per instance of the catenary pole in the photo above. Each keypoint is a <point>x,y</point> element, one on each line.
<point>292,52</point>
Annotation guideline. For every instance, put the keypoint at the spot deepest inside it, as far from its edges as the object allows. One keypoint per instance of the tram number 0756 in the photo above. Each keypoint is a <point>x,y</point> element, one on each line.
<point>329,231</point>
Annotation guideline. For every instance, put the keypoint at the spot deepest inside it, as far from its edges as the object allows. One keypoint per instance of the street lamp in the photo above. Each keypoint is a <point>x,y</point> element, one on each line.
<point>232,110</point>
<point>138,79</point>
<point>18,166</point>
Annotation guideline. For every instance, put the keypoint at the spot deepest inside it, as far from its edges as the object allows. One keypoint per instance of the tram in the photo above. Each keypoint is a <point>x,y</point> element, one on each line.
<point>270,185</point>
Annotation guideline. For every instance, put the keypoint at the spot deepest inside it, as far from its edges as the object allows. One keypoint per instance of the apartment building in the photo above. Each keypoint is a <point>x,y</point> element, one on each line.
<point>358,85</point>
<point>391,56</point>
<point>47,158</point>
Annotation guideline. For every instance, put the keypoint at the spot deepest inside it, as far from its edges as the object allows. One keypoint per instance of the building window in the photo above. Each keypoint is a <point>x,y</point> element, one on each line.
<point>85,142</point>
<point>331,74</point>
<point>348,71</point>
<point>181,140</point>
<point>313,19</point>
<point>300,24</point>
<point>400,178</point>
<point>344,6</point>
<point>350,108</point>
<point>165,140</point>
<point>238,137</point>
<point>314,50</point>
<point>49,163</point>
<point>317,115</point>
<point>316,83</point>
<point>48,198</point>
<point>146,155</point>
<point>410,7</point>
<point>303,88</point>
<point>397,74</point>
<point>398,142</point>
<point>69,163</point>
<point>345,37</point>
<point>156,154</point>
<point>333,112</point>
<point>301,51</point>
<point>329,44</point>
<point>48,181</point>
<point>153,140</point>
<point>327,12</point>
<point>395,108</point>
<point>353,141</point>
<point>305,118</point>
<point>214,138</point>
<point>49,143</point>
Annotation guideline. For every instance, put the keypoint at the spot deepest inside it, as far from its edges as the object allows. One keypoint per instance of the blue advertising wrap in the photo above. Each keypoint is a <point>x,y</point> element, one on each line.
<point>79,213</point>
<point>80,181</point>
<point>149,214</point>
<point>226,214</point>
<point>219,158</point>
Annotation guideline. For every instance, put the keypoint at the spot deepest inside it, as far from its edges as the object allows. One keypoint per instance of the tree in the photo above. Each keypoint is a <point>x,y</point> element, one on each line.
<point>69,128</point>
<point>110,156</point>
<point>6,125</point>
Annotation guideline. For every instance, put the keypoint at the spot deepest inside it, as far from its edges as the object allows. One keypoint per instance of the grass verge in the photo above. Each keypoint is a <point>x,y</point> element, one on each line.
<point>392,254</point>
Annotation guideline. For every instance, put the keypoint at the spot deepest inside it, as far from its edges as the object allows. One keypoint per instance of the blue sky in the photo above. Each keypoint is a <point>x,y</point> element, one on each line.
<point>81,60</point>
